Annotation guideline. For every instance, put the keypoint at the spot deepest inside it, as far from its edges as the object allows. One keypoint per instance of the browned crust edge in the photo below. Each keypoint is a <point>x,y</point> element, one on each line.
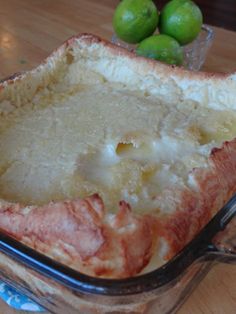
<point>117,50</point>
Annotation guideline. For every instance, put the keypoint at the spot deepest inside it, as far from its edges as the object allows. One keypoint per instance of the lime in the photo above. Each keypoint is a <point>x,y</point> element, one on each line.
<point>181,19</point>
<point>135,20</point>
<point>161,47</point>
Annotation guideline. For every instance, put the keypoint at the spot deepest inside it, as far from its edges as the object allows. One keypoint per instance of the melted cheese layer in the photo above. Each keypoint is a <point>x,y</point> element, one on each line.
<point>104,139</point>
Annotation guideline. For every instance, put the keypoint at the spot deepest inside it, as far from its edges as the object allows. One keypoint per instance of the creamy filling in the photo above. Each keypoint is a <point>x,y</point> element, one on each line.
<point>104,139</point>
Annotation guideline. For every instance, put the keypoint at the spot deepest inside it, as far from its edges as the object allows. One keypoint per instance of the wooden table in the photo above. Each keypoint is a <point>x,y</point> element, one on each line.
<point>31,29</point>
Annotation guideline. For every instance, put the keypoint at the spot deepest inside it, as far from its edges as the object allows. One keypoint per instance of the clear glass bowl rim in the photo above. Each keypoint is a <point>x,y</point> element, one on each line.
<point>194,53</point>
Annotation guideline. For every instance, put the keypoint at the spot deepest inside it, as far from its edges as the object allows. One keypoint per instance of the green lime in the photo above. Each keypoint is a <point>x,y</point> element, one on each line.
<point>135,20</point>
<point>181,19</point>
<point>161,47</point>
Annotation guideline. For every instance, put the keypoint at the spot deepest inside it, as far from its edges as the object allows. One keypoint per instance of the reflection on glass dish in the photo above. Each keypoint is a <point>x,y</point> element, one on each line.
<point>194,53</point>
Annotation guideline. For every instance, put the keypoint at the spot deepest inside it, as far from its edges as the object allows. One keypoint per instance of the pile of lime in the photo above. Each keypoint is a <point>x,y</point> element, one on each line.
<point>178,23</point>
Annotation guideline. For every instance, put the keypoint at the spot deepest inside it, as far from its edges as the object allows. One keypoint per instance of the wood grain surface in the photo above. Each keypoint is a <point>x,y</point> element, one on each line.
<point>31,29</point>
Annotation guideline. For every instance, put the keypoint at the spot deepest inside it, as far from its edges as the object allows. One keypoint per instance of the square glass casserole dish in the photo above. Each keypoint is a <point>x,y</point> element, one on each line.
<point>159,289</point>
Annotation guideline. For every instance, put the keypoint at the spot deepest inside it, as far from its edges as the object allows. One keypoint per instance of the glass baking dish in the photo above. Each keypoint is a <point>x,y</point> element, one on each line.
<point>60,289</point>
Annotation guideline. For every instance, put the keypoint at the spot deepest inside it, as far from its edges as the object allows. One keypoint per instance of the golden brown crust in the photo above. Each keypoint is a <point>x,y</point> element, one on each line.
<point>74,231</point>
<point>194,209</point>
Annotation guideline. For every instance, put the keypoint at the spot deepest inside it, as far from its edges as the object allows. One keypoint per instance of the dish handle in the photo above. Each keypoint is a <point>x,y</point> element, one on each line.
<point>223,245</point>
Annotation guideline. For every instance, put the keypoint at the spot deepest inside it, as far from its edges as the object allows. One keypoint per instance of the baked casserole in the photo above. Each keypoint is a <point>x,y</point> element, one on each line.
<point>111,163</point>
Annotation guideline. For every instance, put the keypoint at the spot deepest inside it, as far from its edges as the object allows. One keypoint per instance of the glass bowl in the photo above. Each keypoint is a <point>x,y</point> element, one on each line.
<point>194,53</point>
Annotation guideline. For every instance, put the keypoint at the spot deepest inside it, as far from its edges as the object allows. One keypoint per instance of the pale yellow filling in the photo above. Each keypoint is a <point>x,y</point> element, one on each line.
<point>105,139</point>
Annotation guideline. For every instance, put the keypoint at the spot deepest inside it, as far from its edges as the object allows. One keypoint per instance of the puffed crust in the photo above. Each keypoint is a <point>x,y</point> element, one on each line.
<point>80,232</point>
